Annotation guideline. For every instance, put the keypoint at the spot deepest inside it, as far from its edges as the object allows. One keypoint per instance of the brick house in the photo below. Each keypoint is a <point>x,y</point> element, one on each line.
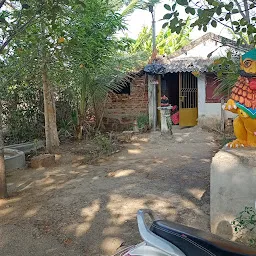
<point>123,107</point>
<point>185,79</point>
<point>174,77</point>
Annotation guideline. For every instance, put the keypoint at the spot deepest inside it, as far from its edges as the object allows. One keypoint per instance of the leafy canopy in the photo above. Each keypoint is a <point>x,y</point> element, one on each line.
<point>166,41</point>
<point>238,16</point>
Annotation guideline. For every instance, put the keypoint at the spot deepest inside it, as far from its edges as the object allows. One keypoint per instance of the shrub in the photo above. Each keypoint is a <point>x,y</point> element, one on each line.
<point>143,122</point>
<point>245,223</point>
<point>105,143</point>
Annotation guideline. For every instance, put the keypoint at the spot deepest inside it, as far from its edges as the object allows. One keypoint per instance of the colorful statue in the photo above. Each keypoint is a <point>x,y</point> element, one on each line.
<point>243,103</point>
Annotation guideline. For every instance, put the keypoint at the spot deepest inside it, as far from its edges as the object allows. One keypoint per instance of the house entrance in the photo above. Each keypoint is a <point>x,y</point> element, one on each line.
<point>170,88</point>
<point>182,92</point>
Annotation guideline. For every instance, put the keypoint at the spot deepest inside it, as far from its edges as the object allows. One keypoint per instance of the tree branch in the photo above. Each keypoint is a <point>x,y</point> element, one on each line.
<point>2,3</point>
<point>11,5</point>
<point>246,9</point>
<point>20,29</point>
<point>223,24</point>
<point>240,9</point>
<point>233,29</point>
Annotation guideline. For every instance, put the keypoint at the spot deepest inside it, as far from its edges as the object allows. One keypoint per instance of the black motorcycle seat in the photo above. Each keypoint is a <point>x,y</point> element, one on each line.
<point>194,242</point>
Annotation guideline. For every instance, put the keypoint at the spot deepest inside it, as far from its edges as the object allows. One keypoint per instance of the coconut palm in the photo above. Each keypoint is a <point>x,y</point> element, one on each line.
<point>166,41</point>
<point>138,4</point>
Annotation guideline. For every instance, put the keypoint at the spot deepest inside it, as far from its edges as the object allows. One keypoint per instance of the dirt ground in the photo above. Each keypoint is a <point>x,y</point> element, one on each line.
<point>77,209</point>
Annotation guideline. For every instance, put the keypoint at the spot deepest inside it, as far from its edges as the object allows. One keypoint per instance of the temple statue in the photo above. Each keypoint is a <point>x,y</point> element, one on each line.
<point>243,103</point>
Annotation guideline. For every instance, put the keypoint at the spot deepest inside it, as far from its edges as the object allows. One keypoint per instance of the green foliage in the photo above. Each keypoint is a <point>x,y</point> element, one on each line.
<point>238,16</point>
<point>246,222</point>
<point>97,64</point>
<point>227,70</point>
<point>143,122</point>
<point>23,112</point>
<point>138,4</point>
<point>83,57</point>
<point>166,41</point>
<point>104,142</point>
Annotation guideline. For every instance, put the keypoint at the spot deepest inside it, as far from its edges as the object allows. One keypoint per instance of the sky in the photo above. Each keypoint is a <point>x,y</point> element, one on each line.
<point>140,18</point>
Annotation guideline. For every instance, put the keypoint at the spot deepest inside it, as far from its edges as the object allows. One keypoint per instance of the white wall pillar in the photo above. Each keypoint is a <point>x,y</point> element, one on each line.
<point>201,81</point>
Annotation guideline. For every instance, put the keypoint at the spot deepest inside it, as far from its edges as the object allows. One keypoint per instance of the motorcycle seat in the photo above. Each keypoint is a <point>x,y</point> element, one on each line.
<point>194,242</point>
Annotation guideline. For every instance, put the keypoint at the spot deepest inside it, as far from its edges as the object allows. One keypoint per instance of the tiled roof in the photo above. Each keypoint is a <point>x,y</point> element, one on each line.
<point>179,65</point>
<point>188,65</point>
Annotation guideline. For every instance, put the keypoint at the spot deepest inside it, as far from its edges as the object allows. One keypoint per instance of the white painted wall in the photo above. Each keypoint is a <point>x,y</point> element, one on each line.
<point>202,50</point>
<point>213,110</point>
<point>201,95</point>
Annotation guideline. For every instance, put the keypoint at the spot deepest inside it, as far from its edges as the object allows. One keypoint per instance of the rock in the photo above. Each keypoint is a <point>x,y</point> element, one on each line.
<point>44,160</point>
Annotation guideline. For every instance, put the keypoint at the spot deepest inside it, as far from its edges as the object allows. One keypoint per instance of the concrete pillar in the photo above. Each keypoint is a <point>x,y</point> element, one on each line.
<point>201,80</point>
<point>152,101</point>
<point>233,187</point>
<point>166,123</point>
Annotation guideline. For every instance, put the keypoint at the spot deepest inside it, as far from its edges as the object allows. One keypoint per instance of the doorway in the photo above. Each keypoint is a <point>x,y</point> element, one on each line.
<point>170,88</point>
<point>182,92</point>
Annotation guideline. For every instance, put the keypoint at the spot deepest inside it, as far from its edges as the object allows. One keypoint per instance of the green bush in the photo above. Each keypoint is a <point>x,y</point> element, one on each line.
<point>143,122</point>
<point>246,223</point>
<point>104,142</point>
<point>23,115</point>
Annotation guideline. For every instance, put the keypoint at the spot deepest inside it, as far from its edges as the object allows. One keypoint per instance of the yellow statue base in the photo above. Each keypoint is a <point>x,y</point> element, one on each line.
<point>244,127</point>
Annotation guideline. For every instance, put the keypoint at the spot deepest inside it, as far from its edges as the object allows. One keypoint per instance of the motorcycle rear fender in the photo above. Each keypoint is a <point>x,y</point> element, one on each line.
<point>143,249</point>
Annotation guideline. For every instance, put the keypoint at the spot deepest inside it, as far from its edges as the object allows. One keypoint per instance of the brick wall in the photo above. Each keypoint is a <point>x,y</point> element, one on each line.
<point>122,109</point>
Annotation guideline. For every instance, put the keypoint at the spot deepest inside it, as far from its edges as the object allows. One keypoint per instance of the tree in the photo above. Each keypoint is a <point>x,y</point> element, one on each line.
<point>97,64</point>
<point>16,17</point>
<point>42,46</point>
<point>132,5</point>
<point>3,187</point>
<point>166,41</point>
<point>238,16</point>
<point>61,43</point>
<point>9,28</point>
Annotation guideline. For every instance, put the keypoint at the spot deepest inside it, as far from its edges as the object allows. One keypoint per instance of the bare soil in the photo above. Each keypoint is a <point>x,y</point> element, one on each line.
<point>74,208</point>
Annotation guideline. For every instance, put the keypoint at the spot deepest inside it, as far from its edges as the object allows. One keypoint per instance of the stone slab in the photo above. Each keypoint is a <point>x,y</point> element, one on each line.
<point>28,147</point>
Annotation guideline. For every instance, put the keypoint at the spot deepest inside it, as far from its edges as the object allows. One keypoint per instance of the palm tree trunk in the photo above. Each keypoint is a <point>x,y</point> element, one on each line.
<point>3,186</point>
<point>51,133</point>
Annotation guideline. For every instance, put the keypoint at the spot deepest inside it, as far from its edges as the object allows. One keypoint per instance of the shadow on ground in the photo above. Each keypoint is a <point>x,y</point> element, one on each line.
<point>79,209</point>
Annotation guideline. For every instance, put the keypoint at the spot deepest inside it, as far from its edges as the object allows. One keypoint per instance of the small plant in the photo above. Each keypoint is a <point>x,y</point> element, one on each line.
<point>246,223</point>
<point>104,142</point>
<point>142,121</point>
